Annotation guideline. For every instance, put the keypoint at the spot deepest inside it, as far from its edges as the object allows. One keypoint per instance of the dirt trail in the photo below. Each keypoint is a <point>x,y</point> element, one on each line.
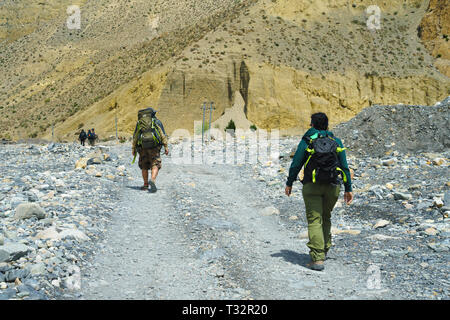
<point>208,234</point>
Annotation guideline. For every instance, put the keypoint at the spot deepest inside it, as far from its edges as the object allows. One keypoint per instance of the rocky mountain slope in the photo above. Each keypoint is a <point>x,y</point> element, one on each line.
<point>286,58</point>
<point>434,32</point>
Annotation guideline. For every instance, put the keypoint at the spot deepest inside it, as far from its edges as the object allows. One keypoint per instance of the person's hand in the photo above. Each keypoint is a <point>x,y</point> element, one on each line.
<point>348,197</point>
<point>288,191</point>
<point>166,151</point>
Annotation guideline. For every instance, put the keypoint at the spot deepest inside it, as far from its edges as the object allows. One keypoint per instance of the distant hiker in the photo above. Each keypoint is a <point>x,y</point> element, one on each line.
<point>91,137</point>
<point>324,159</point>
<point>82,137</point>
<point>148,137</point>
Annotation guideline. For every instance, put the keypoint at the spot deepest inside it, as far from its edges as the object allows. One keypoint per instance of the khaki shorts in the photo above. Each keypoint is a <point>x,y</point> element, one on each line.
<point>149,158</point>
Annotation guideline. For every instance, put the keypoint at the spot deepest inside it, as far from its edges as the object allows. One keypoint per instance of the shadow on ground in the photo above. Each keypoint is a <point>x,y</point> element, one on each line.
<point>138,188</point>
<point>293,257</point>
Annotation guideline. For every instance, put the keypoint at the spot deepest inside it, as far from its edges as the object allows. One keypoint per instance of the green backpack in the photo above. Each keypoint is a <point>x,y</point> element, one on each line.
<point>149,136</point>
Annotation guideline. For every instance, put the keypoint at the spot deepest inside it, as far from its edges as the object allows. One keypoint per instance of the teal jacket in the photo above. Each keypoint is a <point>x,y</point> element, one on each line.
<point>300,158</point>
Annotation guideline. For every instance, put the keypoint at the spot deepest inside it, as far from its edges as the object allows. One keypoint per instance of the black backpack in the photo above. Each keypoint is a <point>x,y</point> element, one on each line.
<point>322,164</point>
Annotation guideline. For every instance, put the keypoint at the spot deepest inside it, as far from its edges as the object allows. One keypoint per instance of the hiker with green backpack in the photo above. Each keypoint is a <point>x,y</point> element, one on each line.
<point>148,138</point>
<point>325,167</point>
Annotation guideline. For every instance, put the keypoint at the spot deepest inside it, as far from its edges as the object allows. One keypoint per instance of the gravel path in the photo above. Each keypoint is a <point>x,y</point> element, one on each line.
<point>74,225</point>
<point>208,233</point>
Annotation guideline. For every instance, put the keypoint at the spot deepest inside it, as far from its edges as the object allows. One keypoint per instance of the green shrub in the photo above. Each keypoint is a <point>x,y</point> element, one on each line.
<point>231,125</point>
<point>253,127</point>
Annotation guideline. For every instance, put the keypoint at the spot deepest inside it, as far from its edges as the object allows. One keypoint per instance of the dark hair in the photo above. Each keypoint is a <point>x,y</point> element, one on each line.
<point>319,121</point>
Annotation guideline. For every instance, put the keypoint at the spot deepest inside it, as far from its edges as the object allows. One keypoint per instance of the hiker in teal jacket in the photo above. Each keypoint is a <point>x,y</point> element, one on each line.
<point>319,198</point>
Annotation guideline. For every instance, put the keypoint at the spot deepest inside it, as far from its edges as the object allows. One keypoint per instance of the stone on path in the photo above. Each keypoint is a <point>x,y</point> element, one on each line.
<point>77,234</point>
<point>347,231</point>
<point>27,210</point>
<point>13,251</point>
<point>381,223</point>
<point>402,196</point>
<point>379,236</point>
<point>81,163</point>
<point>268,211</point>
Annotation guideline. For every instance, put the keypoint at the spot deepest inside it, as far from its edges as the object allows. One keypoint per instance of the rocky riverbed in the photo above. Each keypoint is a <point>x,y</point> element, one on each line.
<point>63,207</point>
<point>51,215</point>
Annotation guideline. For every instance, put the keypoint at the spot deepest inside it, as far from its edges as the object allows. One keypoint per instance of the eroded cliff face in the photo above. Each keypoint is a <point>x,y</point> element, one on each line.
<point>434,31</point>
<point>359,68</point>
<point>285,98</point>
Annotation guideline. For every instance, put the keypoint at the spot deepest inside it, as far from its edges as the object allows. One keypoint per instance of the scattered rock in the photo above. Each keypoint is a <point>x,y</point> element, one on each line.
<point>77,234</point>
<point>383,237</point>
<point>346,231</point>
<point>81,163</point>
<point>438,202</point>
<point>388,162</point>
<point>28,210</point>
<point>402,196</point>
<point>13,251</point>
<point>268,211</point>
<point>431,231</point>
<point>381,223</point>
<point>438,161</point>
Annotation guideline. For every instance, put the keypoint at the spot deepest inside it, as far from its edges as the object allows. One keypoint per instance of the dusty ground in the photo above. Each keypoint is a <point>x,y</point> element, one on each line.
<point>209,233</point>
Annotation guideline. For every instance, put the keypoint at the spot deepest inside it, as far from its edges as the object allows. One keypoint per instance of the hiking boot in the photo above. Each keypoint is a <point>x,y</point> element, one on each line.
<point>152,187</point>
<point>316,265</point>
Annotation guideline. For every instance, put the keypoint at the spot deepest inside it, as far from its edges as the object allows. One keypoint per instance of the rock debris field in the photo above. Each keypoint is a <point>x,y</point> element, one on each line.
<point>73,224</point>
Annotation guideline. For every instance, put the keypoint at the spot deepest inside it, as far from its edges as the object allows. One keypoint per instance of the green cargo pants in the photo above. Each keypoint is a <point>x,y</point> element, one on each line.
<point>319,202</point>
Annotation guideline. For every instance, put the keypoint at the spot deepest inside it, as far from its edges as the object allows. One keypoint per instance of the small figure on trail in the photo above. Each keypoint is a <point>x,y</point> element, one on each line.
<point>148,137</point>
<point>91,137</point>
<point>82,137</point>
<point>323,156</point>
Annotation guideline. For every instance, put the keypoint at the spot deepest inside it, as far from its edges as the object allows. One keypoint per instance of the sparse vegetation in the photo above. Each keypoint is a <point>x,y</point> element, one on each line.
<point>231,125</point>
<point>331,45</point>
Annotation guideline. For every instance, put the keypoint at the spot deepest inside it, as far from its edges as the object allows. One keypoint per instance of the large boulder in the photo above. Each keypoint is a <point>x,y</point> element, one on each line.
<point>28,210</point>
<point>13,251</point>
<point>81,163</point>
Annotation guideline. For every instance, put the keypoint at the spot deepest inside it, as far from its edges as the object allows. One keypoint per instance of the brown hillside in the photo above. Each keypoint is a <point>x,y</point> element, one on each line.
<point>287,59</point>
<point>434,30</point>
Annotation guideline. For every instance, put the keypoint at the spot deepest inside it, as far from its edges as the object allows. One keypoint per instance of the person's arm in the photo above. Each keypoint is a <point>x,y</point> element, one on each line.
<point>297,163</point>
<point>348,195</point>
<point>344,167</point>
<point>159,123</point>
<point>163,136</point>
<point>135,137</point>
